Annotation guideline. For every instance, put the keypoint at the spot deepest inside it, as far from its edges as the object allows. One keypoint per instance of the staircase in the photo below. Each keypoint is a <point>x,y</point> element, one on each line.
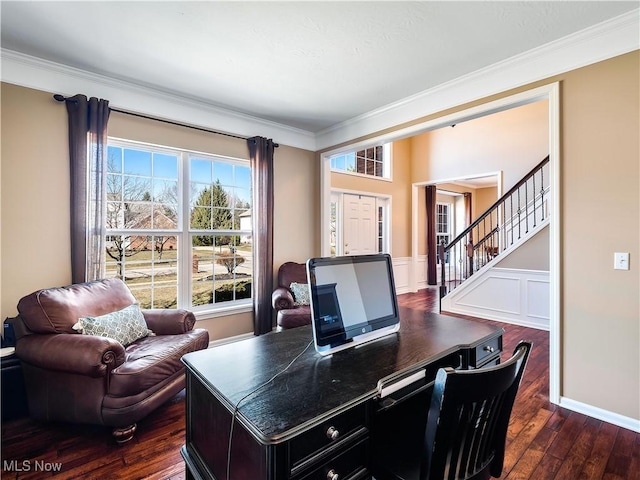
<point>515,217</point>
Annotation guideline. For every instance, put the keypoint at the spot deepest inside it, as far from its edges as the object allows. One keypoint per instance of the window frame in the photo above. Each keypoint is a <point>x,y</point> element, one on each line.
<point>449,224</point>
<point>184,233</point>
<point>387,162</point>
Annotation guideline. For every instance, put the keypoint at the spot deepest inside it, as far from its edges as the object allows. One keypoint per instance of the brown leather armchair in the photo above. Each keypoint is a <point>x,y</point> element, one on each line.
<point>289,314</point>
<point>71,377</point>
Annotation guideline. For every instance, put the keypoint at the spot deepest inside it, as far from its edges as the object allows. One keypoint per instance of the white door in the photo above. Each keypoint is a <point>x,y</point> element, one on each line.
<point>360,225</point>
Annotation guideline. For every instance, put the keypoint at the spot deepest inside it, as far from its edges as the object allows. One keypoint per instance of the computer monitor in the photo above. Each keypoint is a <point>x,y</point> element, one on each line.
<point>353,300</point>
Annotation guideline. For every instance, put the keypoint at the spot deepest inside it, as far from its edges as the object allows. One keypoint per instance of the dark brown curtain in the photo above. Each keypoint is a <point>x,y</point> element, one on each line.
<point>431,235</point>
<point>88,120</point>
<point>261,156</point>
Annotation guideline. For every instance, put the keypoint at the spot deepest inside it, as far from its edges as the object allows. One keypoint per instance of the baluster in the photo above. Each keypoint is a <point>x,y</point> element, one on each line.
<point>519,212</point>
<point>526,205</point>
<point>533,182</point>
<point>542,191</point>
<point>504,226</point>
<point>443,287</point>
<point>511,216</point>
<point>491,233</point>
<point>458,268</point>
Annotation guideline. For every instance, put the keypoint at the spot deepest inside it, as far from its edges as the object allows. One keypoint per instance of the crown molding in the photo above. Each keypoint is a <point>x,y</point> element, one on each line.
<point>591,45</point>
<point>594,44</point>
<point>41,74</point>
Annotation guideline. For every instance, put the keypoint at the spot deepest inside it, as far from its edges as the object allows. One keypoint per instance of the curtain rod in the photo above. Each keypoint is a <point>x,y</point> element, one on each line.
<point>62,98</point>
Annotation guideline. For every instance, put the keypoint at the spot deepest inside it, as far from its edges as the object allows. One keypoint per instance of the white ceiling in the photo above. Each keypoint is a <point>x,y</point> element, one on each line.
<point>306,65</point>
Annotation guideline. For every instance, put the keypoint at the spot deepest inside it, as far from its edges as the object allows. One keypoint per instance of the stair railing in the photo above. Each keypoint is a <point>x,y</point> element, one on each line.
<point>504,223</point>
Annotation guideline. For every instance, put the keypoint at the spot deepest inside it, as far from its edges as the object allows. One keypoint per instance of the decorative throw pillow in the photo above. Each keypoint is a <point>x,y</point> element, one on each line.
<point>125,326</point>
<point>300,293</point>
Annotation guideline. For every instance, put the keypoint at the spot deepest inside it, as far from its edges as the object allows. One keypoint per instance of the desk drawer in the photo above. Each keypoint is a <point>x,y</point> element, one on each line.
<point>328,433</point>
<point>351,464</point>
<point>485,351</point>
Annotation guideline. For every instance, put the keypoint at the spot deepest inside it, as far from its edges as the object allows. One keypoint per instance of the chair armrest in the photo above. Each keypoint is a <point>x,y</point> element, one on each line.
<point>164,321</point>
<point>282,298</point>
<point>88,355</point>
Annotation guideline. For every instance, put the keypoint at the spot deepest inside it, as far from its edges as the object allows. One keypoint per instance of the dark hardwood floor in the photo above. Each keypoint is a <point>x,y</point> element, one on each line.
<point>544,441</point>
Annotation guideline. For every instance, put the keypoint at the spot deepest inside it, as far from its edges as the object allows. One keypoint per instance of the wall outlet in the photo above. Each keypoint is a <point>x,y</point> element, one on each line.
<point>621,260</point>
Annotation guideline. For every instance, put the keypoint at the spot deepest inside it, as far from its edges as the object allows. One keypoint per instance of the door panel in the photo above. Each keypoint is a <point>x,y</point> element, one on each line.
<point>359,225</point>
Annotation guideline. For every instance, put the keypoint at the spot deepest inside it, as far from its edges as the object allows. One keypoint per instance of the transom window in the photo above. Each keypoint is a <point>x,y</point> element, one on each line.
<point>372,161</point>
<point>178,226</point>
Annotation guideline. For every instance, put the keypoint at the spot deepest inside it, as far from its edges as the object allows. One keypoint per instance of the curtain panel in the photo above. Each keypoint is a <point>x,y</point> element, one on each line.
<point>88,120</point>
<point>261,156</point>
<point>431,235</point>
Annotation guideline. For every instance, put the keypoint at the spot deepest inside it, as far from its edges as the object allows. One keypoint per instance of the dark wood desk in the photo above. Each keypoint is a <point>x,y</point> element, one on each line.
<point>322,418</point>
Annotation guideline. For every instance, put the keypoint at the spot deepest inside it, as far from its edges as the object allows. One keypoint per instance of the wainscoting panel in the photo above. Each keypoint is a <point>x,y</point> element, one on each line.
<point>503,290</point>
<point>401,274</point>
<point>538,297</point>
<point>421,272</point>
<point>507,295</point>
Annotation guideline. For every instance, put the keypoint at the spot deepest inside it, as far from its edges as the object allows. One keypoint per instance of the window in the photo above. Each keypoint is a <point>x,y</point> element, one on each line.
<point>373,161</point>
<point>443,227</point>
<point>178,226</point>
<point>380,229</point>
<point>333,225</point>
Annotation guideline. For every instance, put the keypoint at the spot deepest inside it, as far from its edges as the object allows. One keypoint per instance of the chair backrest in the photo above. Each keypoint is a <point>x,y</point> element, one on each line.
<point>56,310</point>
<point>291,272</point>
<point>468,419</point>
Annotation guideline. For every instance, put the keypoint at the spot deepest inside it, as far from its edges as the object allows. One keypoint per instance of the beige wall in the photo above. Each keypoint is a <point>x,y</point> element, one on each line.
<point>531,255</point>
<point>512,141</point>
<point>35,195</point>
<point>600,206</point>
<point>482,199</point>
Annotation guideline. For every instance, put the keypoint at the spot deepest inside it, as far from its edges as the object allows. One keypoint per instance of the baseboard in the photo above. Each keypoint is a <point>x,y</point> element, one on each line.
<point>224,341</point>
<point>487,315</point>
<point>604,415</point>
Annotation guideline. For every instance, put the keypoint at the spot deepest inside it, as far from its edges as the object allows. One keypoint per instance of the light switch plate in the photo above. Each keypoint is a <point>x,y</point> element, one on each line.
<point>621,260</point>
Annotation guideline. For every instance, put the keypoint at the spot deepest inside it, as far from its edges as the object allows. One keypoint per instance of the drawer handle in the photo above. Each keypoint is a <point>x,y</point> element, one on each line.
<point>332,475</point>
<point>489,349</point>
<point>333,434</point>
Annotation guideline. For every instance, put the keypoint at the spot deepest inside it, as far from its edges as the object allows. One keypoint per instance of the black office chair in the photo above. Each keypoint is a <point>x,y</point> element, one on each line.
<point>466,426</point>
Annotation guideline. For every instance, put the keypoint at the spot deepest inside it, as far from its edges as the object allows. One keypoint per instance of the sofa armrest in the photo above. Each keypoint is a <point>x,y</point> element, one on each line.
<point>88,355</point>
<point>164,321</point>
<point>282,298</point>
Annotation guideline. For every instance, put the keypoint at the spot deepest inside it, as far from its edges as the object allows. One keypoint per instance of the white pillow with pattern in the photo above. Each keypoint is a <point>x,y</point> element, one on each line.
<point>125,326</point>
<point>300,293</point>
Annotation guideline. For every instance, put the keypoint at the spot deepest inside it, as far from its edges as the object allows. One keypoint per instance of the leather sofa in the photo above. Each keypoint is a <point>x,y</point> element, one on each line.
<point>80,378</point>
<point>289,313</point>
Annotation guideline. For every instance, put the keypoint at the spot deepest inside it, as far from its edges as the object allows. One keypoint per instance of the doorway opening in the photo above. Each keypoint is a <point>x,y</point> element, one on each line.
<point>549,93</point>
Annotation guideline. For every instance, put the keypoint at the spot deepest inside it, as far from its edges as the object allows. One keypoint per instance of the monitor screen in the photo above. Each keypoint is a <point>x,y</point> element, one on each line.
<point>353,300</point>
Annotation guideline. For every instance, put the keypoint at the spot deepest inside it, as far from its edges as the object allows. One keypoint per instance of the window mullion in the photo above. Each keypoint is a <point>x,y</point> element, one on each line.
<point>184,265</point>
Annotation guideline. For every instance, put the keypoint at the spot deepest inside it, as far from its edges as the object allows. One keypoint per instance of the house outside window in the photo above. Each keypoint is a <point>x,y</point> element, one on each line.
<point>372,161</point>
<point>178,226</point>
